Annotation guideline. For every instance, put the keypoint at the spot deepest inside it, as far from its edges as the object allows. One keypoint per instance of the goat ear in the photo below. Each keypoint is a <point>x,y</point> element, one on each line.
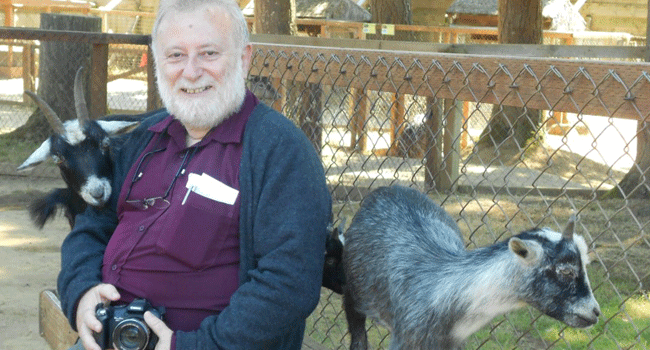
<point>41,154</point>
<point>529,251</point>
<point>117,127</point>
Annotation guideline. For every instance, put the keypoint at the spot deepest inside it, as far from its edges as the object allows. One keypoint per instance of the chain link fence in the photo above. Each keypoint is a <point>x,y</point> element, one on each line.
<point>417,119</point>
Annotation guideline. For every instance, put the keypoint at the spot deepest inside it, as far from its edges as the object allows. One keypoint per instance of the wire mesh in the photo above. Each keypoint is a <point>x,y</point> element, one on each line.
<point>429,121</point>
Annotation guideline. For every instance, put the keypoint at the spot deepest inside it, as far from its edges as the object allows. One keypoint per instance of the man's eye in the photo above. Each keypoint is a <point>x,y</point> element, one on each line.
<point>210,54</point>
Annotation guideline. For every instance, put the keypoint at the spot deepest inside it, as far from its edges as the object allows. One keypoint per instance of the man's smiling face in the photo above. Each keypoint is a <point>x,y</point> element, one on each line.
<point>200,70</point>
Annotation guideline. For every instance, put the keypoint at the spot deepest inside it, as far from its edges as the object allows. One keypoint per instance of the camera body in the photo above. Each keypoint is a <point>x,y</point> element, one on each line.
<point>123,326</point>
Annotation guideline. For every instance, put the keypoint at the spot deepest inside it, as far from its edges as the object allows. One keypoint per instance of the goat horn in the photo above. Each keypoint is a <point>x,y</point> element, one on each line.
<point>50,115</point>
<point>570,227</point>
<point>79,98</point>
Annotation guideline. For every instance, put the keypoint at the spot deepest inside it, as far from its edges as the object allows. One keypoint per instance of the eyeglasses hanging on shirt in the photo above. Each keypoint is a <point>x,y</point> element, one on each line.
<point>158,202</point>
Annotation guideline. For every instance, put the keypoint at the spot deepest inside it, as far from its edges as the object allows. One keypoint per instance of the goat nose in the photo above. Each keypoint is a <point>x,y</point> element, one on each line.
<point>597,311</point>
<point>97,193</point>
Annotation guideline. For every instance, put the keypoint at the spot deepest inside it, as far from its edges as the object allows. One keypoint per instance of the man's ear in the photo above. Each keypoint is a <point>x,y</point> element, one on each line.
<point>246,57</point>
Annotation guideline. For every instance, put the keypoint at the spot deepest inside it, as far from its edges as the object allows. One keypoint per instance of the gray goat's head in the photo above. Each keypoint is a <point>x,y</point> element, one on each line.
<point>80,148</point>
<point>557,284</point>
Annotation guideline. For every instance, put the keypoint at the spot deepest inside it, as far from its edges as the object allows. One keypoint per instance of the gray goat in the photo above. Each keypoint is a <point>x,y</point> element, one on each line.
<point>406,265</point>
<point>80,148</point>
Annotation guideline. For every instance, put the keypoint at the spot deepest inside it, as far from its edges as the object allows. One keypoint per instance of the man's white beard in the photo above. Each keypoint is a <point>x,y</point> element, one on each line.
<point>221,102</point>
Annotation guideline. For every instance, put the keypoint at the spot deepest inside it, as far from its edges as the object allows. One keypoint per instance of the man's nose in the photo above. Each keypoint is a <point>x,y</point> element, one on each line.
<point>192,69</point>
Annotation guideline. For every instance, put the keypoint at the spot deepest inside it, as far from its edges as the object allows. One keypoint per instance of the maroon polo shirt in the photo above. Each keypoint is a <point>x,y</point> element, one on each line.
<point>181,256</point>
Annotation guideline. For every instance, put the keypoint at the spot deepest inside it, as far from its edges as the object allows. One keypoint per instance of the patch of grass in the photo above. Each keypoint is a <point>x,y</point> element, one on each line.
<point>14,151</point>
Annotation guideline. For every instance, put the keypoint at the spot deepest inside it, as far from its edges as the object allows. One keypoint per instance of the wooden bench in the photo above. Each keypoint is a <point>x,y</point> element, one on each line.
<point>52,323</point>
<point>54,326</point>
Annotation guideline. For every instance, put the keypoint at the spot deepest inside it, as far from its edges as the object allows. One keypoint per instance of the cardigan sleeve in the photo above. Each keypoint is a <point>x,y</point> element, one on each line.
<point>286,207</point>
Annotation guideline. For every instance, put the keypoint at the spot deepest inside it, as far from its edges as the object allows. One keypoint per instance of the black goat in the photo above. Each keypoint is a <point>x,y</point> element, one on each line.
<point>333,276</point>
<point>80,148</point>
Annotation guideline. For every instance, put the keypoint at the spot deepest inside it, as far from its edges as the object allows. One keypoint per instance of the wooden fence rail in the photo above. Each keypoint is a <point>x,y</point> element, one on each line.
<point>613,89</point>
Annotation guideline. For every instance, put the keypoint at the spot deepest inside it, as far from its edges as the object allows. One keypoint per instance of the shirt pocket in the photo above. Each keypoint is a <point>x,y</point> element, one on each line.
<point>196,233</point>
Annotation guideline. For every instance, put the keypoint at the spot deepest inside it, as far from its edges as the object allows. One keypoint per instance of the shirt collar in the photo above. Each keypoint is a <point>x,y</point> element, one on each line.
<point>230,130</point>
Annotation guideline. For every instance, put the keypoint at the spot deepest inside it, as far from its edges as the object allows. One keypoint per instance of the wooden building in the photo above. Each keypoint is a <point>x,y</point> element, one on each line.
<point>341,10</point>
<point>629,16</point>
<point>560,15</point>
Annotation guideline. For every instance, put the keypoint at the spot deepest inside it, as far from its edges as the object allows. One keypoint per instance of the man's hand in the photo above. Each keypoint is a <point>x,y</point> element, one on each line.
<point>86,320</point>
<point>162,331</point>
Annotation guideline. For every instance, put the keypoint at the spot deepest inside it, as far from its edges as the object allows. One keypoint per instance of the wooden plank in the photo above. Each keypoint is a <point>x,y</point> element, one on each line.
<point>48,4</point>
<point>523,50</point>
<point>69,35</point>
<point>614,89</point>
<point>612,9</point>
<point>53,325</point>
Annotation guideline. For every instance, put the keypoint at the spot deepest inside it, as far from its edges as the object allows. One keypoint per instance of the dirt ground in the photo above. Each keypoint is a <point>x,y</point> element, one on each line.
<point>29,262</point>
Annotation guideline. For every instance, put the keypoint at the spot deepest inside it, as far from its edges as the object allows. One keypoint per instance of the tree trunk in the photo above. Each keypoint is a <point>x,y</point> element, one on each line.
<point>58,64</point>
<point>279,17</point>
<point>275,17</point>
<point>520,22</point>
<point>636,183</point>
<point>391,12</point>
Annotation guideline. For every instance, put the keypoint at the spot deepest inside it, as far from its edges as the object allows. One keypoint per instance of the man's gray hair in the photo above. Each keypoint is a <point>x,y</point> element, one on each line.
<point>239,25</point>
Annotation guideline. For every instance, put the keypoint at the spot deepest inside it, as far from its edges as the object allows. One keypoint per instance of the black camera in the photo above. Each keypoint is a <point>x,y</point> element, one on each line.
<point>124,328</point>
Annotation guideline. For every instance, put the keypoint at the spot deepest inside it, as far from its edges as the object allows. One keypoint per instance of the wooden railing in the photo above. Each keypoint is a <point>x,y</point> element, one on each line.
<point>99,59</point>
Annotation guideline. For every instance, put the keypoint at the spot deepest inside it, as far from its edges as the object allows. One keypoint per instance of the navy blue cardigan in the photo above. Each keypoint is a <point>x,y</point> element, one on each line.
<point>285,209</point>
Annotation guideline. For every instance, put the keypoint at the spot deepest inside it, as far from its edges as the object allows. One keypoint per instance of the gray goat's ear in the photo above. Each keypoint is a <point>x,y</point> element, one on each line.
<point>117,127</point>
<point>40,155</point>
<point>528,251</point>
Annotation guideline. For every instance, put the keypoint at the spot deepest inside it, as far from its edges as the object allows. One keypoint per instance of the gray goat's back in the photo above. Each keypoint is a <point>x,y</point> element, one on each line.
<point>395,226</point>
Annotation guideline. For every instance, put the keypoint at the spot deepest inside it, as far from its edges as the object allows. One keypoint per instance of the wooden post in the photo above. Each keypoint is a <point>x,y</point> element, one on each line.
<point>98,80</point>
<point>309,119</point>
<point>451,145</point>
<point>397,112</point>
<point>358,119</point>
<point>29,70</point>
<point>153,99</point>
<point>433,157</point>
<point>279,87</point>
<point>647,35</point>
<point>9,22</point>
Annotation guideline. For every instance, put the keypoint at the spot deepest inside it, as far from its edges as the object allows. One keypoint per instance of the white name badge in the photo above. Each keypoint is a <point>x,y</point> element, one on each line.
<point>209,187</point>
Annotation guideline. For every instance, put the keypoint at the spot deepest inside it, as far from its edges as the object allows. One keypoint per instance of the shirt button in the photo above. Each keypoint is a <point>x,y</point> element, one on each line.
<point>114,267</point>
<point>141,228</point>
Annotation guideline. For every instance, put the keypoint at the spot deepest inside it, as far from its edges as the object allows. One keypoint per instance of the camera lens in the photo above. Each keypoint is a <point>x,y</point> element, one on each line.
<point>131,334</point>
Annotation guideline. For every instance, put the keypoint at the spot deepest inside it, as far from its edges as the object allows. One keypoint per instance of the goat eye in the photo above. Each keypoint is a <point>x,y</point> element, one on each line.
<point>566,272</point>
<point>57,159</point>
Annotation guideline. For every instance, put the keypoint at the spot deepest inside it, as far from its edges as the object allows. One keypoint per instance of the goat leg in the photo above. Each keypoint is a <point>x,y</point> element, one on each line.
<point>356,323</point>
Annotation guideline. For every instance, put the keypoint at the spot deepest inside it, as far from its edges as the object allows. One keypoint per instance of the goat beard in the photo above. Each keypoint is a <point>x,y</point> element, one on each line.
<point>224,99</point>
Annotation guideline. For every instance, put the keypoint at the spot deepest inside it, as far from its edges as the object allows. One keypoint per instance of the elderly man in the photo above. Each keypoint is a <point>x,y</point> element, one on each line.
<point>223,207</point>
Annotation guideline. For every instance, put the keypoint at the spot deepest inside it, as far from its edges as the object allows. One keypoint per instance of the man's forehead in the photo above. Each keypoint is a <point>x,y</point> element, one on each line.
<point>214,15</point>
<point>201,30</point>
